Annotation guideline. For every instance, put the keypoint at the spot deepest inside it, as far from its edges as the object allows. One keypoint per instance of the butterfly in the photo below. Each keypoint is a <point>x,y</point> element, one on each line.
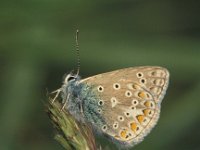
<point>123,104</point>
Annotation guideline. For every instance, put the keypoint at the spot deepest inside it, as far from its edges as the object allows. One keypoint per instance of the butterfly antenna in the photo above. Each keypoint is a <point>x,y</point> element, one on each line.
<point>77,52</point>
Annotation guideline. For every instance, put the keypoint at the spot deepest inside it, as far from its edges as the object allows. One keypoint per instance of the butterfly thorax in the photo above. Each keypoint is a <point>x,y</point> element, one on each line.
<point>81,100</point>
<point>70,95</point>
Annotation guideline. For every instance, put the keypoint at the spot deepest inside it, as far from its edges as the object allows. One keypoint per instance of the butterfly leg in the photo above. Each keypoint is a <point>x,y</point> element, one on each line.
<point>65,102</point>
<point>80,104</point>
<point>81,109</point>
<point>57,93</point>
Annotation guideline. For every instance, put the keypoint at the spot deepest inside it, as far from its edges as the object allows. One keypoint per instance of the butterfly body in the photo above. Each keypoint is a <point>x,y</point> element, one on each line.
<point>82,102</point>
<point>123,104</point>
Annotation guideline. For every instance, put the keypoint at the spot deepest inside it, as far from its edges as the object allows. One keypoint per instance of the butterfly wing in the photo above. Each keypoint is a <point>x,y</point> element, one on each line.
<point>130,100</point>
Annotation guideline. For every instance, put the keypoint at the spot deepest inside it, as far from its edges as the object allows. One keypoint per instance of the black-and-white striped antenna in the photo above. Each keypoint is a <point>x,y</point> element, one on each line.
<point>77,53</point>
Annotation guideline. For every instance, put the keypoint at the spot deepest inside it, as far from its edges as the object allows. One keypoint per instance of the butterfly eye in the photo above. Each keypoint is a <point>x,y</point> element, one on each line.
<point>70,78</point>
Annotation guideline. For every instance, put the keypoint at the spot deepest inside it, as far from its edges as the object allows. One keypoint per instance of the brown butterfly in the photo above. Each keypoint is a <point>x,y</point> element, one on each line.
<point>123,104</point>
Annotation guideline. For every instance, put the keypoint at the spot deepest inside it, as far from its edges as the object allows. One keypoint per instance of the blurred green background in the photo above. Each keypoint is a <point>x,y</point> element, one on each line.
<point>37,47</point>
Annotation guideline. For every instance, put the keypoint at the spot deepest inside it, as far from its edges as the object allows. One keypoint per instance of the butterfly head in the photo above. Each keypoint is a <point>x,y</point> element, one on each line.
<point>71,78</point>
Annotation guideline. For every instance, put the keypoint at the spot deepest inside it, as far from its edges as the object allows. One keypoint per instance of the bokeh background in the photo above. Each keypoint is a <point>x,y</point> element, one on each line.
<point>37,47</point>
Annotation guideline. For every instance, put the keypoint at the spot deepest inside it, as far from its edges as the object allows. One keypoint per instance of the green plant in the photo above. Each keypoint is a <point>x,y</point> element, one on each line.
<point>71,134</point>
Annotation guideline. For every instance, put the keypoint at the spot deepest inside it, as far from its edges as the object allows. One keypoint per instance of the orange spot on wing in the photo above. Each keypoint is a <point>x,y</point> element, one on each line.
<point>140,118</point>
<point>133,126</point>
<point>142,95</point>
<point>123,134</point>
<point>148,112</point>
<point>149,104</point>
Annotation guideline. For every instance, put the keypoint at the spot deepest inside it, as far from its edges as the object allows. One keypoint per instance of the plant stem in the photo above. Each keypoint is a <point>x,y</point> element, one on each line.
<point>71,134</point>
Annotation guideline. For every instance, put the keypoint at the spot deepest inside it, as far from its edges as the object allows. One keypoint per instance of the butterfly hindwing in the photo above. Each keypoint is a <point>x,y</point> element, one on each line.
<point>130,101</point>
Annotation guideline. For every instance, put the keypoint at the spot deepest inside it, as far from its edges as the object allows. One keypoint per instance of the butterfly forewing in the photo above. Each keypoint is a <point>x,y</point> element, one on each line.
<point>131,100</point>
